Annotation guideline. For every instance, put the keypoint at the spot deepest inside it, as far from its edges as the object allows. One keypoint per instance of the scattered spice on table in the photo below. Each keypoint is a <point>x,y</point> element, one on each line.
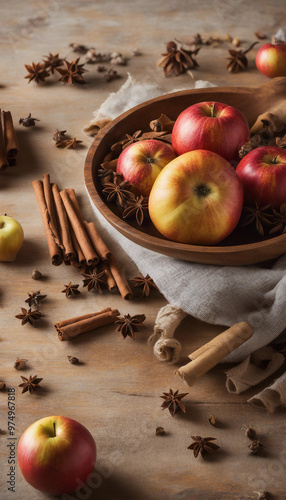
<point>128,325</point>
<point>94,280</point>
<point>20,363</point>
<point>30,384</point>
<point>80,49</point>
<point>73,143</point>
<point>177,59</point>
<point>28,121</point>
<point>238,60</point>
<point>29,316</point>
<point>173,401</point>
<point>73,360</point>
<point>35,298</point>
<point>71,290</point>
<point>36,274</point>
<point>52,61</point>
<point>160,431</point>
<point>110,74</point>
<point>203,445</point>
<point>212,420</point>
<point>145,283</point>
<point>255,447</point>
<point>2,386</point>
<point>59,135</point>
<point>249,432</point>
<point>72,73</point>
<point>37,72</point>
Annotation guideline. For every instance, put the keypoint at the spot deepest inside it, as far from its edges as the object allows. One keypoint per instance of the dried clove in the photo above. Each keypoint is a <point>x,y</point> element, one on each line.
<point>160,431</point>
<point>73,360</point>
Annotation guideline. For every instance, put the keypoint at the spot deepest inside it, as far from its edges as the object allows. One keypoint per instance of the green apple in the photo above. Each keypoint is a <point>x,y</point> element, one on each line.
<point>11,238</point>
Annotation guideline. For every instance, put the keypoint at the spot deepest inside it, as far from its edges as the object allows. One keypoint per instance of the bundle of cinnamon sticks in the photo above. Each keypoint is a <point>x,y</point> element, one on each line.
<point>71,239</point>
<point>71,328</point>
<point>8,141</point>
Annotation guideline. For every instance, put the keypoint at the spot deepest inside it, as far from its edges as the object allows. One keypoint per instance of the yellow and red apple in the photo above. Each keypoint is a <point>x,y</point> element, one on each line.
<point>263,175</point>
<point>213,126</point>
<point>271,59</point>
<point>56,455</point>
<point>141,162</point>
<point>196,199</point>
<point>11,238</point>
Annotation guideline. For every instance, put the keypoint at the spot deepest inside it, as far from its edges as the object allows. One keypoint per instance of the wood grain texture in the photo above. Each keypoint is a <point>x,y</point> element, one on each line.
<point>115,391</point>
<point>251,102</point>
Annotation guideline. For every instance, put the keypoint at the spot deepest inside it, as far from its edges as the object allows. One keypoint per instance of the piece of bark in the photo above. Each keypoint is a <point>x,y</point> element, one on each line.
<point>11,142</point>
<point>98,244</point>
<point>3,157</point>
<point>112,287</point>
<point>120,278</point>
<point>53,222</point>
<point>73,327</point>
<point>64,226</point>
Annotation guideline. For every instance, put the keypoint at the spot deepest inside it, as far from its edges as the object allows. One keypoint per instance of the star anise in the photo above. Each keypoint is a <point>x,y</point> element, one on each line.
<point>117,191</point>
<point>202,445</point>
<point>238,60</point>
<point>259,216</point>
<point>52,61</point>
<point>20,363</point>
<point>173,401</point>
<point>279,221</point>
<point>37,72</point>
<point>59,135</point>
<point>30,384</point>
<point>94,280</point>
<point>29,316</point>
<point>129,139</point>
<point>73,143</point>
<point>137,206</point>
<point>178,60</point>
<point>72,72</point>
<point>105,175</point>
<point>71,290</point>
<point>35,298</point>
<point>28,121</point>
<point>146,283</point>
<point>128,325</point>
<point>255,447</point>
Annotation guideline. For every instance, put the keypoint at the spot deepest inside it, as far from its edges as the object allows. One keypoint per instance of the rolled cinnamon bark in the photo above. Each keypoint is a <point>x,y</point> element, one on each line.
<point>109,278</point>
<point>53,222</point>
<point>120,278</point>
<point>210,354</point>
<point>3,157</point>
<point>74,200</point>
<point>79,231</point>
<point>64,227</point>
<point>11,143</point>
<point>100,247</point>
<point>73,327</point>
<point>54,250</point>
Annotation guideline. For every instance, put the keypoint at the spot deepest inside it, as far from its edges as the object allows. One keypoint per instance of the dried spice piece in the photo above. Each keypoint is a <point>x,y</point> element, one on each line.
<point>71,290</point>
<point>72,73</point>
<point>259,216</point>
<point>173,401</point>
<point>30,384</point>
<point>281,141</point>
<point>118,190</point>
<point>94,280</point>
<point>212,420</point>
<point>260,35</point>
<point>160,431</point>
<point>73,360</point>
<point>129,139</point>
<point>235,41</point>
<point>29,316</point>
<point>110,74</point>
<point>128,325</point>
<point>117,58</point>
<point>35,298</point>
<point>20,364</point>
<point>73,143</point>
<point>255,447</point>
<point>178,60</point>
<point>279,221</point>
<point>28,121</point>
<point>37,72</point>
<point>2,386</point>
<point>249,432</point>
<point>162,123</point>
<point>93,56</point>
<point>80,49</point>
<point>59,135</point>
<point>136,52</point>
<point>52,61</point>
<point>138,207</point>
<point>145,283</point>
<point>36,275</point>
<point>101,69</point>
<point>262,495</point>
<point>105,175</point>
<point>238,60</point>
<point>203,445</point>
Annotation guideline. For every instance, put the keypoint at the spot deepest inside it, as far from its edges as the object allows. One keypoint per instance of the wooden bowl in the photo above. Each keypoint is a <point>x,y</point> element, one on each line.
<point>242,246</point>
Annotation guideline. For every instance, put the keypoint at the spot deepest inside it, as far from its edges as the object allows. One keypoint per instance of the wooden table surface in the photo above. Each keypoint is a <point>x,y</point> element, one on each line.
<point>115,391</point>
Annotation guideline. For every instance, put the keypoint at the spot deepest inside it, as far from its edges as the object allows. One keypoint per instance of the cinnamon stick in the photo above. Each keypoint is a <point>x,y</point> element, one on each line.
<point>74,200</point>
<point>3,157</point>
<point>54,250</point>
<point>100,247</point>
<point>11,143</point>
<point>210,354</point>
<point>79,231</point>
<point>64,227</point>
<point>73,327</point>
<point>109,278</point>
<point>51,209</point>
<point>120,278</point>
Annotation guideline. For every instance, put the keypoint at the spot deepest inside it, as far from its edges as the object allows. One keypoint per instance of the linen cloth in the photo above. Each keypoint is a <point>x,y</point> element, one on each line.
<point>220,295</point>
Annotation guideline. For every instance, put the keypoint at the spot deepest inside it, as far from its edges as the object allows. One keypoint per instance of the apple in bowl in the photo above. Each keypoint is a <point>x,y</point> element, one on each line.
<point>197,199</point>
<point>213,126</point>
<point>56,455</point>
<point>271,59</point>
<point>141,162</point>
<point>11,238</point>
<point>263,175</point>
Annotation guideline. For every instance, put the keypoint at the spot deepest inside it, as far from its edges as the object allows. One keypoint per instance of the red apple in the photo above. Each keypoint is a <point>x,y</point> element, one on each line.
<point>213,126</point>
<point>271,59</point>
<point>11,238</point>
<point>263,175</point>
<point>56,455</point>
<point>141,162</point>
<point>196,199</point>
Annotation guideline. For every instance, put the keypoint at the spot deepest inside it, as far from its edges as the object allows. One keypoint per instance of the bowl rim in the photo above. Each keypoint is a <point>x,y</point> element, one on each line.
<point>122,225</point>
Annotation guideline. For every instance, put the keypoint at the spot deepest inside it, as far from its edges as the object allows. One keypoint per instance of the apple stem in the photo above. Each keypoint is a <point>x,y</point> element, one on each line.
<point>213,110</point>
<point>54,426</point>
<point>275,160</point>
